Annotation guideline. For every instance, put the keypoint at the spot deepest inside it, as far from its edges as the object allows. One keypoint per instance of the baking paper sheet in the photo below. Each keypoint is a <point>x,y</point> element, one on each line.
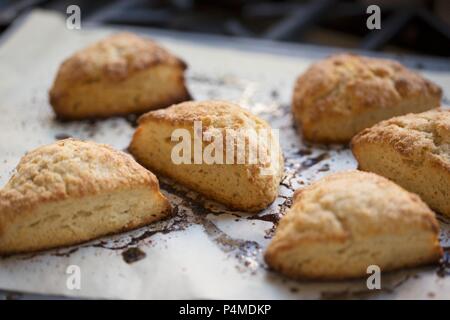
<point>204,251</point>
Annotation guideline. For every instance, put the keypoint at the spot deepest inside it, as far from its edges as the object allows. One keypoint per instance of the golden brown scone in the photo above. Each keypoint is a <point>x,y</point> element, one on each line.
<point>73,191</point>
<point>343,94</point>
<point>244,185</point>
<point>345,222</point>
<point>412,150</point>
<point>119,75</point>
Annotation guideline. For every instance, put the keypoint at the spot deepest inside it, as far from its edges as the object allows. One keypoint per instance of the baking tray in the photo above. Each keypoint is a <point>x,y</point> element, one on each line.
<point>204,251</point>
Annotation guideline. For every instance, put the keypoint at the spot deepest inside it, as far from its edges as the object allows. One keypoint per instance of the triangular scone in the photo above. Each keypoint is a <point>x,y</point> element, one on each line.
<point>340,225</point>
<point>412,150</point>
<point>119,75</point>
<point>341,95</point>
<point>243,185</point>
<point>74,191</point>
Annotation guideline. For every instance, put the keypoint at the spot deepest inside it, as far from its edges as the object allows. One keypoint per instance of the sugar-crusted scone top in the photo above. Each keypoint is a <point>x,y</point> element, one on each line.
<point>71,168</point>
<point>114,58</point>
<point>212,114</point>
<point>417,136</point>
<point>223,116</point>
<point>346,84</point>
<point>352,206</point>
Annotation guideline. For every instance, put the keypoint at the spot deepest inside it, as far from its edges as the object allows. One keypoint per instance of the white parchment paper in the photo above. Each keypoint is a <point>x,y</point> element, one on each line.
<point>205,251</point>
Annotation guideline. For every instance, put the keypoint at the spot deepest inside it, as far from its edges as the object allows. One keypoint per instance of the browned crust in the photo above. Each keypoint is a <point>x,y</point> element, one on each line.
<point>292,232</point>
<point>220,115</point>
<point>418,137</point>
<point>417,145</point>
<point>215,114</point>
<point>115,58</point>
<point>41,176</point>
<point>212,113</point>
<point>345,85</point>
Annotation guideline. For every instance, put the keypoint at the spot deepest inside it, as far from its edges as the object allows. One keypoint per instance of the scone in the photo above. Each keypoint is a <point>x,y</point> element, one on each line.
<point>345,222</point>
<point>236,181</point>
<point>119,75</point>
<point>343,94</point>
<point>74,191</point>
<point>412,150</point>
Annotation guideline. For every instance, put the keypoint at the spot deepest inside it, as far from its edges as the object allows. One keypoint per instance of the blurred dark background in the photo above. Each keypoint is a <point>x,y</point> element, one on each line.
<point>414,26</point>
